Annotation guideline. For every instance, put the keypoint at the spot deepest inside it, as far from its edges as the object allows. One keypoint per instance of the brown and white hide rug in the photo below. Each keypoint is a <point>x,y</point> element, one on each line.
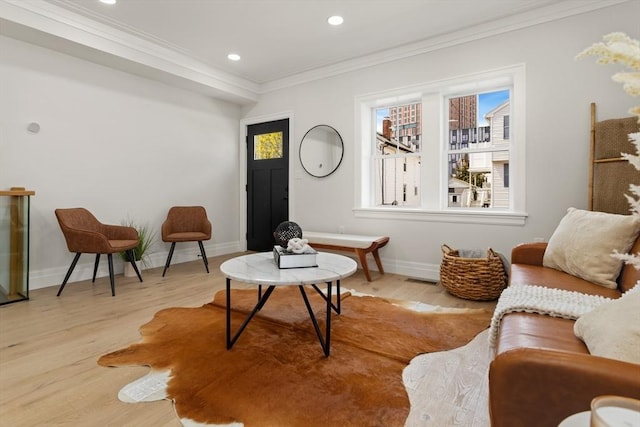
<point>276,374</point>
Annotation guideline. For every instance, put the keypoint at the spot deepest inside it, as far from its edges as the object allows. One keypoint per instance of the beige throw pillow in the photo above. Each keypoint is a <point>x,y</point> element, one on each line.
<point>613,329</point>
<point>583,242</point>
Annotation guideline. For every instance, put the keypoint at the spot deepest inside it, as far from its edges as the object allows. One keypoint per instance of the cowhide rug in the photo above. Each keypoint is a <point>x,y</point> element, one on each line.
<point>276,374</point>
<point>459,378</point>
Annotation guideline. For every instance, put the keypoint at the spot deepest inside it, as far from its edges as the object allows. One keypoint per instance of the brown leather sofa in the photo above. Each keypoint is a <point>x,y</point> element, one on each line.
<point>542,373</point>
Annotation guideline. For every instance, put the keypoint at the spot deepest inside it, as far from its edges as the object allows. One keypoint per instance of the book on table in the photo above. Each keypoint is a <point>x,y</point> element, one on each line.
<point>284,259</point>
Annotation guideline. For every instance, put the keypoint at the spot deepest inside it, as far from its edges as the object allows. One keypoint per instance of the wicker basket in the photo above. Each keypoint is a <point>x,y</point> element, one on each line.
<point>478,279</point>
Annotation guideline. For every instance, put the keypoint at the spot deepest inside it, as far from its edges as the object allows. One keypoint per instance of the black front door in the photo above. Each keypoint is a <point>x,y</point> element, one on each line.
<point>267,182</point>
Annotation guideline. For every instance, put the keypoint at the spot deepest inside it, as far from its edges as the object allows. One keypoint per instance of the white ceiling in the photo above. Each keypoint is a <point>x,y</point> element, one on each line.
<point>282,42</point>
<point>280,38</point>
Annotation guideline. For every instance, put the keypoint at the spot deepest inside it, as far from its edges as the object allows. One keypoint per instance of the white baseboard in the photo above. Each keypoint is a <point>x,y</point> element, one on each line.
<point>184,252</point>
<point>187,252</point>
<point>415,270</point>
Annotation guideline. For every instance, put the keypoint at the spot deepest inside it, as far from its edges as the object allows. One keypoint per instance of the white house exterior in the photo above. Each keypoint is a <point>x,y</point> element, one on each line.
<point>399,177</point>
<point>498,118</point>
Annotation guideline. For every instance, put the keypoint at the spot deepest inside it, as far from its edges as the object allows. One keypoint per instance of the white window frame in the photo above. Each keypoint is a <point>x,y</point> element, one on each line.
<point>433,175</point>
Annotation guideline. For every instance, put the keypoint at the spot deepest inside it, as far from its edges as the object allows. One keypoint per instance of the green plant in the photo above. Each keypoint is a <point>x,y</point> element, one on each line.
<point>146,237</point>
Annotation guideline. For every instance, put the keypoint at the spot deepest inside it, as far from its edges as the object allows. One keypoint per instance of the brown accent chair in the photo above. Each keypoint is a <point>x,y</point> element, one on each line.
<point>85,234</point>
<point>186,224</point>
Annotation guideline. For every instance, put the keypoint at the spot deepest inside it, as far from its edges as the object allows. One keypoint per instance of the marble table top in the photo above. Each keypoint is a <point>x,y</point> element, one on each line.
<point>261,269</point>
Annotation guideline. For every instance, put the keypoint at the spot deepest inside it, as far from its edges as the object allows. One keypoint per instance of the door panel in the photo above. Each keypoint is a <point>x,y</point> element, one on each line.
<point>267,182</point>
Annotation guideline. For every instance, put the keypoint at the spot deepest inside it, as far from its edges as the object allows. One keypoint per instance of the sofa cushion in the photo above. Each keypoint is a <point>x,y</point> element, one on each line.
<point>523,274</point>
<point>613,329</point>
<point>531,330</point>
<point>584,241</point>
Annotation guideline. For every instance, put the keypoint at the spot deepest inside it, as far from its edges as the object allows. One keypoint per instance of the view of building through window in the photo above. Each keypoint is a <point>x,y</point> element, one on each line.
<point>397,155</point>
<point>476,152</point>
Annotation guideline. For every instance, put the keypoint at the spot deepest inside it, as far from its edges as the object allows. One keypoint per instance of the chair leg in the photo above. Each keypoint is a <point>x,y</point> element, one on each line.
<point>111,277</point>
<point>73,265</point>
<point>204,255</point>
<point>131,255</point>
<point>166,265</point>
<point>95,268</point>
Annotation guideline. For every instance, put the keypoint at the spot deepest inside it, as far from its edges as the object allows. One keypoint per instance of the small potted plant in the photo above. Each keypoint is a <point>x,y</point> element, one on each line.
<point>146,237</point>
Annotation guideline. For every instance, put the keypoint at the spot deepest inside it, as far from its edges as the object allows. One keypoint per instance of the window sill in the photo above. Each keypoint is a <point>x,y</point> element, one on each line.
<point>460,216</point>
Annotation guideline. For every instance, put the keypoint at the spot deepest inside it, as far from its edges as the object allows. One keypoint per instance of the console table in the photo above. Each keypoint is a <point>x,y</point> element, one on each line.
<point>260,269</point>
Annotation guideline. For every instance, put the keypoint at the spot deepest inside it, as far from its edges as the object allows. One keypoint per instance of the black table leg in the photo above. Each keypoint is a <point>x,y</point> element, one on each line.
<point>261,301</point>
<point>335,307</point>
<point>325,342</point>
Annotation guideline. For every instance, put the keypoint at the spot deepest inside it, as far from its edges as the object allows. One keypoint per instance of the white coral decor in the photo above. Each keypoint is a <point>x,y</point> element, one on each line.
<point>618,48</point>
<point>622,49</point>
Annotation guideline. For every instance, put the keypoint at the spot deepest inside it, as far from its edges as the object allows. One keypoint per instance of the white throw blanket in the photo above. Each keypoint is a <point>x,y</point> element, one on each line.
<point>541,300</point>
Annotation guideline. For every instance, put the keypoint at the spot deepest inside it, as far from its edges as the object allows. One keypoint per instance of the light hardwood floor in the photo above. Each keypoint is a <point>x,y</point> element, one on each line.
<point>49,345</point>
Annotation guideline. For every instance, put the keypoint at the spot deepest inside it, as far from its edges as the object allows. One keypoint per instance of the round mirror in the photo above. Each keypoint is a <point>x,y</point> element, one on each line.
<point>321,151</point>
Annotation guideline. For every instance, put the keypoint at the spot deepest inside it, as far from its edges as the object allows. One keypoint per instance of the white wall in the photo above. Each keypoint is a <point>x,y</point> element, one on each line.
<point>559,90</point>
<point>114,143</point>
<point>121,145</point>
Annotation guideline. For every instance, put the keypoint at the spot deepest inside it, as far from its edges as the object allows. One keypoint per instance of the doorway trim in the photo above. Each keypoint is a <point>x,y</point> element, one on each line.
<point>242,167</point>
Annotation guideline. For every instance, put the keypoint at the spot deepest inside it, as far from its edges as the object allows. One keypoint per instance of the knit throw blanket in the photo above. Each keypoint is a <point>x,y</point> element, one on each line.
<point>541,300</point>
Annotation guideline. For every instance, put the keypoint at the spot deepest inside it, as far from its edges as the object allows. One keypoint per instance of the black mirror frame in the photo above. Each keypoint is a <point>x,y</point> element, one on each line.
<point>341,151</point>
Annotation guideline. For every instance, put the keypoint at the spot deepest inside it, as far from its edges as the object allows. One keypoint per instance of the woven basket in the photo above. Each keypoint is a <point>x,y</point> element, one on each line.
<point>478,279</point>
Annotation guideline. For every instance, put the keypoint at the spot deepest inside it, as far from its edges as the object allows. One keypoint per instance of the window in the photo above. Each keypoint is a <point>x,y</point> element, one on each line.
<point>396,156</point>
<point>267,146</point>
<point>505,175</point>
<point>474,159</point>
<point>455,147</point>
<point>505,128</point>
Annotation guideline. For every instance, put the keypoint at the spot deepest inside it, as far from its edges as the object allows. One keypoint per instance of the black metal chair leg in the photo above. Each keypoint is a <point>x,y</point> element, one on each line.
<point>166,265</point>
<point>73,265</point>
<point>111,277</point>
<point>204,255</point>
<point>95,268</point>
<point>132,256</point>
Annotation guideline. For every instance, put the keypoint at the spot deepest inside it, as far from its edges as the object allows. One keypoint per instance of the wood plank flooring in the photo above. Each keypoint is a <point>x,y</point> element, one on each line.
<point>49,345</point>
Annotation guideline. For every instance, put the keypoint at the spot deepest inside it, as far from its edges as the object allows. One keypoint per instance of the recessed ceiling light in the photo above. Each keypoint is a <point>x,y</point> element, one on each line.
<point>108,1</point>
<point>335,20</point>
<point>234,57</point>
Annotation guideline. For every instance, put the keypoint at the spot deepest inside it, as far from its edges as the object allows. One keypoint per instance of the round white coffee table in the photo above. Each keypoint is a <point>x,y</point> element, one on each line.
<point>260,269</point>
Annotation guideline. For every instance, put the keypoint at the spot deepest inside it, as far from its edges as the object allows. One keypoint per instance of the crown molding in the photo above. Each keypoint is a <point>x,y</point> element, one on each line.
<point>43,23</point>
<point>552,12</point>
<point>51,26</point>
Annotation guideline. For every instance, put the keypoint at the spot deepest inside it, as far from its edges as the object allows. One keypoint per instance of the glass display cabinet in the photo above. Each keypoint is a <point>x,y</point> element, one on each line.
<point>14,244</point>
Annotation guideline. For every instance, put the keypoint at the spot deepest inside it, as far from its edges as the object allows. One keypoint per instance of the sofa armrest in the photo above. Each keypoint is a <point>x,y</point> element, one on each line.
<point>537,387</point>
<point>528,253</point>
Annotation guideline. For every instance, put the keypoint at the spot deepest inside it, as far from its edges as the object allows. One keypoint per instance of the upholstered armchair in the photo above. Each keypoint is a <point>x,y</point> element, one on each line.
<point>85,234</point>
<point>186,224</point>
